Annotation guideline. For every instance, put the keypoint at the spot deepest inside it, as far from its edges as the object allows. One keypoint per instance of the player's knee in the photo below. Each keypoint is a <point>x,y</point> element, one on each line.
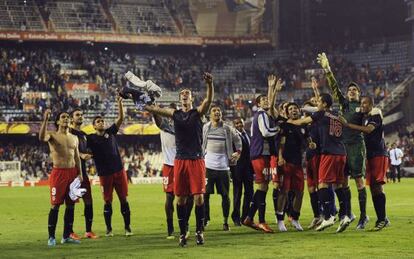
<point>323,185</point>
<point>181,200</point>
<point>263,187</point>
<point>376,189</point>
<point>359,183</point>
<point>311,189</point>
<point>55,207</point>
<point>199,199</point>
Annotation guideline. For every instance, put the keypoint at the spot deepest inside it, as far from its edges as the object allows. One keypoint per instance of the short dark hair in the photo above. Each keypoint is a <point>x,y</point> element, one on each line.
<point>258,98</point>
<point>308,102</point>
<point>214,105</point>
<point>326,98</point>
<point>352,83</point>
<point>182,89</point>
<point>370,99</point>
<point>75,110</point>
<point>96,117</point>
<point>290,104</point>
<point>57,118</point>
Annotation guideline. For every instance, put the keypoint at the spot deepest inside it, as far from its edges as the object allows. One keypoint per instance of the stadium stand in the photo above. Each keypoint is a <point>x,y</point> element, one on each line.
<point>179,10</point>
<point>47,69</point>
<point>78,16</point>
<point>20,16</point>
<point>143,17</point>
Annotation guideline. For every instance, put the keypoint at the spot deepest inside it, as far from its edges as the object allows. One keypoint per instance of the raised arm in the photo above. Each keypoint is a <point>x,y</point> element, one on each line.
<point>121,114</point>
<point>156,110</point>
<point>333,84</point>
<point>43,134</point>
<point>315,86</point>
<point>205,105</point>
<point>274,87</point>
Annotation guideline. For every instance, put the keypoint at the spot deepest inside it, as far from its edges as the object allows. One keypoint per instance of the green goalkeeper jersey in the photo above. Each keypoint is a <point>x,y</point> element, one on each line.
<point>350,111</point>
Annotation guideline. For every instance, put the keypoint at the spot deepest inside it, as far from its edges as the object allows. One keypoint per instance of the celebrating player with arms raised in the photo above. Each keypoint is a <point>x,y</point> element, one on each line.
<point>66,167</point>
<point>189,166</point>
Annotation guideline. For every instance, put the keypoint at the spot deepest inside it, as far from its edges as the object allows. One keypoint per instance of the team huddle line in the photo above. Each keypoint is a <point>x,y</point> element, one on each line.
<point>200,157</point>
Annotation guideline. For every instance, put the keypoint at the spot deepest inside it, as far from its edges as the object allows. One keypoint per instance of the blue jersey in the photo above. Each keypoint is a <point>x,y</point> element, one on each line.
<point>329,132</point>
<point>374,141</point>
<point>105,152</point>
<point>295,142</point>
<point>188,129</point>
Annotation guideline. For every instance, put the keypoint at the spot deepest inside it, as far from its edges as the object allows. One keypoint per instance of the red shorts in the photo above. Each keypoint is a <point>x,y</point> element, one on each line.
<point>331,169</point>
<point>312,166</point>
<point>189,177</point>
<point>262,169</point>
<point>168,178</point>
<point>59,182</point>
<point>87,185</point>
<point>293,178</point>
<point>118,181</point>
<point>274,169</point>
<point>376,170</point>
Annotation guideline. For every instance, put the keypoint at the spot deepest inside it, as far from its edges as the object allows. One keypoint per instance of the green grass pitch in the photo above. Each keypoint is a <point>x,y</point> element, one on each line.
<point>23,230</point>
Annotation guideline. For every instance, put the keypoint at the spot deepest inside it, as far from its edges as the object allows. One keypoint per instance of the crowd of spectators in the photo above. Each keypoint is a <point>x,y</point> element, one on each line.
<point>35,162</point>
<point>294,70</point>
<point>44,69</point>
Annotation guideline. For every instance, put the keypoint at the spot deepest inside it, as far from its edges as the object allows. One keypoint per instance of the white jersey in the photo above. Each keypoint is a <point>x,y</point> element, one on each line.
<point>168,147</point>
<point>216,155</point>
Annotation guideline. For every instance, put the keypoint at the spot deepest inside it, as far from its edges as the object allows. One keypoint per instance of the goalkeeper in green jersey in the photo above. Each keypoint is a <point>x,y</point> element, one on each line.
<point>353,140</point>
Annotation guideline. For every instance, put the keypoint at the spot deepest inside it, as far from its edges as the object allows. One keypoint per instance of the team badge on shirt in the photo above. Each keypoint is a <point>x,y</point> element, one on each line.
<point>106,135</point>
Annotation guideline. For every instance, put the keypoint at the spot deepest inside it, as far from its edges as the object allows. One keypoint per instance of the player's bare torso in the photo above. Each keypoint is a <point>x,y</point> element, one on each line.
<point>62,149</point>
